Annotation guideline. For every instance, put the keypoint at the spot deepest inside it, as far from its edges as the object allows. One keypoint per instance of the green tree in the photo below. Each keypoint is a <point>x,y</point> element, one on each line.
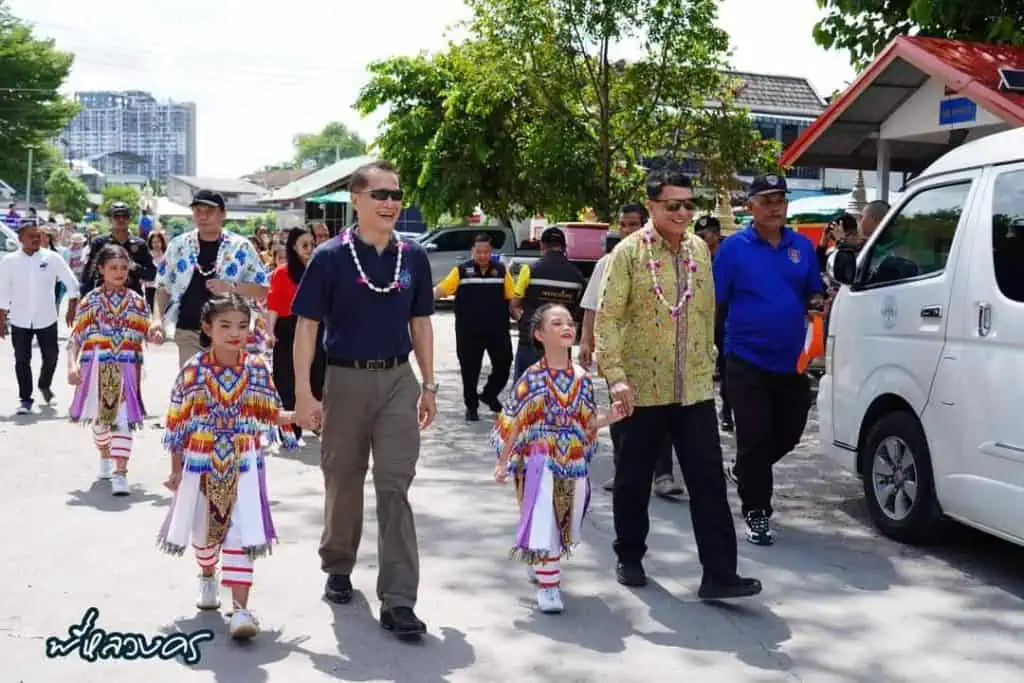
<point>331,144</point>
<point>32,110</point>
<point>865,27</point>
<point>121,193</point>
<point>66,194</point>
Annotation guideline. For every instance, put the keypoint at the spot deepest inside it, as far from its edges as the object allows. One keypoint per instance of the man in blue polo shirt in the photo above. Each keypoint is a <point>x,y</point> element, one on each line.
<point>767,276</point>
<point>374,295</point>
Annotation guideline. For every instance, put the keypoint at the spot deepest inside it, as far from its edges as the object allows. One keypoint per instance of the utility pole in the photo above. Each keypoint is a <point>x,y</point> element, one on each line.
<point>28,179</point>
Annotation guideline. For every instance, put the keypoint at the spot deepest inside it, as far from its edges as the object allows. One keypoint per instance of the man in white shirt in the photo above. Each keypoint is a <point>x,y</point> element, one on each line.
<point>632,217</point>
<point>28,309</point>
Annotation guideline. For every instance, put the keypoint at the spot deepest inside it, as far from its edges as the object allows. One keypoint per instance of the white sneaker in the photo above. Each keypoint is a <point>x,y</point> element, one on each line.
<point>209,592</point>
<point>243,624</point>
<point>106,468</point>
<point>666,485</point>
<point>549,600</point>
<point>119,485</point>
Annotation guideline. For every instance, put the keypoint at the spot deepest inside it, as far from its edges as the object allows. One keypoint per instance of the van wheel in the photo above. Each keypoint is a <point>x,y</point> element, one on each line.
<point>898,482</point>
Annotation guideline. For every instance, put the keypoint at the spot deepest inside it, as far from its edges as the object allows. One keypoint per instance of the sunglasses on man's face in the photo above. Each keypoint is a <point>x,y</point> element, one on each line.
<point>384,195</point>
<point>673,205</point>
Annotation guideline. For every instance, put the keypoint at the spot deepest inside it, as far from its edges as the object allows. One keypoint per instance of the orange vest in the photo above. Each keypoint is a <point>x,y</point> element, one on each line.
<point>814,343</point>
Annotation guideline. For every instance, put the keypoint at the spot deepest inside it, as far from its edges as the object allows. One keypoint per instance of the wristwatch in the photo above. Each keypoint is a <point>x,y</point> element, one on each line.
<point>431,387</point>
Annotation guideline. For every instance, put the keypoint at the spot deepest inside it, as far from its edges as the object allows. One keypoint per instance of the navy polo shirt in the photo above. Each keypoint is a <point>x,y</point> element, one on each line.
<point>360,324</point>
<point>767,291</point>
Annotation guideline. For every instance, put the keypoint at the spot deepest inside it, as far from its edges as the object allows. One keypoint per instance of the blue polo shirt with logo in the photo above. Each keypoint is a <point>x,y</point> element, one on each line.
<point>360,324</point>
<point>767,291</point>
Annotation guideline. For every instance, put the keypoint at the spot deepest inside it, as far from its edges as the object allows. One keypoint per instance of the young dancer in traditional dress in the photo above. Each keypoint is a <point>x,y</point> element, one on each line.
<point>105,364</point>
<point>223,411</point>
<point>545,438</point>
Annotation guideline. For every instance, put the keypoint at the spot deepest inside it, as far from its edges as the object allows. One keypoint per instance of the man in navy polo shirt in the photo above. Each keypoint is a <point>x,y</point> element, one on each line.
<point>374,295</point>
<point>767,276</point>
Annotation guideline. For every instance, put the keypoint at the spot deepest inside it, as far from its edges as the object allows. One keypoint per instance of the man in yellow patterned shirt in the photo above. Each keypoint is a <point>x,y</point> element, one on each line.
<point>655,345</point>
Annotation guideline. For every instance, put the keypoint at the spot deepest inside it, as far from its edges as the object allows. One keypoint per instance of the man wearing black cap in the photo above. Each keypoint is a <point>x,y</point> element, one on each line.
<point>768,277</point>
<point>199,264</point>
<point>551,280</point>
<point>709,229</point>
<point>142,266</point>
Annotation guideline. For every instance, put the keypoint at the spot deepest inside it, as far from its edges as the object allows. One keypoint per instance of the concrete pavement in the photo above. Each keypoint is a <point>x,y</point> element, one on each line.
<point>840,603</point>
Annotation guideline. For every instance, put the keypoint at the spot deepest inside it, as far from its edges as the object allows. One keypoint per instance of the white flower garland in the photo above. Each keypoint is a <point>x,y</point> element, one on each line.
<point>348,237</point>
<point>689,266</point>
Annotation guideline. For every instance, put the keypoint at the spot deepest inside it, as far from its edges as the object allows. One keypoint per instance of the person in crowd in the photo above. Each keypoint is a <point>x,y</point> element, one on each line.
<point>142,269</point>
<point>77,254</point>
<point>551,280</point>
<point>199,265</point>
<point>321,233</point>
<point>373,292</point>
<point>145,225</point>
<point>545,440</point>
<point>222,416</point>
<point>280,255</point>
<point>769,278</point>
<point>105,364</point>
<point>28,310</point>
<point>632,217</point>
<point>12,219</point>
<point>872,215</point>
<point>156,242</point>
<point>709,229</point>
<point>482,288</point>
<point>840,232</point>
<point>284,283</point>
<point>655,346</point>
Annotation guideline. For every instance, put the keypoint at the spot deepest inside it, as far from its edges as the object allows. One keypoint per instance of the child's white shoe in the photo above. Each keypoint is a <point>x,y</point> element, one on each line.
<point>549,600</point>
<point>243,624</point>
<point>106,468</point>
<point>209,593</point>
<point>119,485</point>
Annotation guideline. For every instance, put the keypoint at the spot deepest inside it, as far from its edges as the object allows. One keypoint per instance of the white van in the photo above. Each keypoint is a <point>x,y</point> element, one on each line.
<point>924,369</point>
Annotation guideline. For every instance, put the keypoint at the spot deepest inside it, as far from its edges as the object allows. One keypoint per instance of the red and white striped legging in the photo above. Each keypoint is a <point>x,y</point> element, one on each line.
<point>237,566</point>
<point>113,442</point>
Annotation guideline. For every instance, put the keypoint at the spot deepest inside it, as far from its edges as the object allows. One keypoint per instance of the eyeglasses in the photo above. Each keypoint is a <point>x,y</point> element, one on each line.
<point>673,205</point>
<point>384,195</point>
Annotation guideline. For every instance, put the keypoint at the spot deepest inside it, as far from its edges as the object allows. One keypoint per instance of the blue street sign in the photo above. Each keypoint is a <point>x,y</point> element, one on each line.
<point>957,110</point>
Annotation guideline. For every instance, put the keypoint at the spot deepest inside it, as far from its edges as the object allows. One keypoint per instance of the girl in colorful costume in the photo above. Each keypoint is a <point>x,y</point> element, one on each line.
<point>224,410</point>
<point>545,438</point>
<point>105,364</point>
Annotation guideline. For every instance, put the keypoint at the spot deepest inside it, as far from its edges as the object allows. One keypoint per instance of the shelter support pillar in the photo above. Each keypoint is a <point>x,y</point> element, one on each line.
<point>883,169</point>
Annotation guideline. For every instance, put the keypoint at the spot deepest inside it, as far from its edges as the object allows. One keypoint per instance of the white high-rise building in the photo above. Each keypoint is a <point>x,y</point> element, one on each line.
<point>130,134</point>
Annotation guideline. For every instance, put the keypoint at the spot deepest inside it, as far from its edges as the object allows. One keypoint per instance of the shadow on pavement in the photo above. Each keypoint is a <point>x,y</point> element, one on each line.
<point>98,497</point>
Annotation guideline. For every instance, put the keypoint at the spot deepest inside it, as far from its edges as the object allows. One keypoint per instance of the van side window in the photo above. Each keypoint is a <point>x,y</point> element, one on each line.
<point>916,241</point>
<point>455,240</point>
<point>497,238</point>
<point>1008,234</point>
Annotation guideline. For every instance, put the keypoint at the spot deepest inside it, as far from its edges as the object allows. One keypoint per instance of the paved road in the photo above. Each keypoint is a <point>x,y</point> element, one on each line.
<point>840,604</point>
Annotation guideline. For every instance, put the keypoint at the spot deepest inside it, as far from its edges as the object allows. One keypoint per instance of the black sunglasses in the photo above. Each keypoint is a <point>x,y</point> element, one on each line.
<point>384,195</point>
<point>673,205</point>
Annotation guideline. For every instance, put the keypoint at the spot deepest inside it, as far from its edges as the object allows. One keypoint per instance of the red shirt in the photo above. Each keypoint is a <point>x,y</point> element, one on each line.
<point>282,292</point>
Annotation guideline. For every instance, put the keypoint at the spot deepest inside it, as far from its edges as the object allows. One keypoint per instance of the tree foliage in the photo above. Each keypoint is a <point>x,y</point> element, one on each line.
<point>32,110</point>
<point>66,194</point>
<point>534,112</point>
<point>121,193</point>
<point>332,143</point>
<point>865,27</point>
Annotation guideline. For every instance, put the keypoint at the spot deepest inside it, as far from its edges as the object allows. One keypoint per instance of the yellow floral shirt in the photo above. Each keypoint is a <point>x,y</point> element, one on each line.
<point>666,359</point>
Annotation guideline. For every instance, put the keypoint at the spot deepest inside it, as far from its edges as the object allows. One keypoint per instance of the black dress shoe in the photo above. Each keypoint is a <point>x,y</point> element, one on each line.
<point>492,402</point>
<point>338,589</point>
<point>736,587</point>
<point>402,621</point>
<point>472,415</point>
<point>632,575</point>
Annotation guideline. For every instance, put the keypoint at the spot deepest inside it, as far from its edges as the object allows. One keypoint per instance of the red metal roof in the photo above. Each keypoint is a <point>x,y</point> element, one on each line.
<point>970,69</point>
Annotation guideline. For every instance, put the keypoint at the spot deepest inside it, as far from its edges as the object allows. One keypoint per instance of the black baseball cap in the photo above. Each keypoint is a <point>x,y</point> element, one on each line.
<point>553,236</point>
<point>119,209</point>
<point>208,198</point>
<point>707,224</point>
<point>767,184</point>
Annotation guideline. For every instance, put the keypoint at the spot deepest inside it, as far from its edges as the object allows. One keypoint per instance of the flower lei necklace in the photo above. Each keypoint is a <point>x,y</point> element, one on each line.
<point>653,265</point>
<point>348,237</point>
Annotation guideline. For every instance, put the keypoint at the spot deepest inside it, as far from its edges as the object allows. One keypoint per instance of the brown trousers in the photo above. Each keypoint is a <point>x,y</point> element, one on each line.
<point>364,411</point>
<point>188,345</point>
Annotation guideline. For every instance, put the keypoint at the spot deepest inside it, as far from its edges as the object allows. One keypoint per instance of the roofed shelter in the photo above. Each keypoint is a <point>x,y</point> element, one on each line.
<point>919,99</point>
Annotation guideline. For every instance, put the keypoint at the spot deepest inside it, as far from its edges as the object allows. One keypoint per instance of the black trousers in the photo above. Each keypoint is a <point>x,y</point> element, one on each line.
<point>694,433</point>
<point>21,339</point>
<point>663,458</point>
<point>470,346</point>
<point>284,366</point>
<point>723,387</point>
<point>771,413</point>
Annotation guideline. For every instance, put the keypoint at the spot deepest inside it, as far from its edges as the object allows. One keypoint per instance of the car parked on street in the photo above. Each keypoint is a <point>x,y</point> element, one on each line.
<point>8,239</point>
<point>925,351</point>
